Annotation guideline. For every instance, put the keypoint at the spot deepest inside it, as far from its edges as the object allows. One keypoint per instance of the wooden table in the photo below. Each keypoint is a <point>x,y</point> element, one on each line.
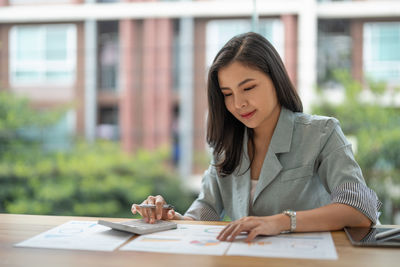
<point>16,228</point>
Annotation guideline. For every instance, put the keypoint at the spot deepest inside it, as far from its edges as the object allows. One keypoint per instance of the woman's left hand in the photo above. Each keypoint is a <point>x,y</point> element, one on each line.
<point>254,226</point>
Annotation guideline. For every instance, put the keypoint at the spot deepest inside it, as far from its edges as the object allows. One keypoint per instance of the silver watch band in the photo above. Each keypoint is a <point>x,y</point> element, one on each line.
<point>292,216</point>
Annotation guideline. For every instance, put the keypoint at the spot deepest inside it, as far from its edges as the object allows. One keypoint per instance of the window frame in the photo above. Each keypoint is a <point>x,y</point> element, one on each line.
<point>278,35</point>
<point>43,64</point>
<point>370,64</point>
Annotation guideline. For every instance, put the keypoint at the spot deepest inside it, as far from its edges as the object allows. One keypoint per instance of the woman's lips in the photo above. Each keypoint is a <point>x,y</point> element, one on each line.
<point>248,115</point>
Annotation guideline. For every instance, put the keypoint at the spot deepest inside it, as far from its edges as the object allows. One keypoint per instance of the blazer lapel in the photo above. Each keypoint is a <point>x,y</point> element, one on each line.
<point>280,143</point>
<point>241,183</point>
<point>270,169</point>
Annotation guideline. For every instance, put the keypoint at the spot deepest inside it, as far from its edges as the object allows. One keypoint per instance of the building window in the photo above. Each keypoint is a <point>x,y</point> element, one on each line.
<point>220,31</point>
<point>334,50</point>
<point>381,51</point>
<point>42,54</point>
<point>321,1</point>
<point>108,1</point>
<point>108,56</point>
<point>108,125</point>
<point>24,2</point>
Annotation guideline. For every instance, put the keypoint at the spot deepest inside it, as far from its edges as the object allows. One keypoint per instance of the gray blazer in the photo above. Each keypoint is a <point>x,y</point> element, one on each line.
<point>309,164</point>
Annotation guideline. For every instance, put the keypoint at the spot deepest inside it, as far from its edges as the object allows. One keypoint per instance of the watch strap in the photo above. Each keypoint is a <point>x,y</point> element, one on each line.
<point>293,222</point>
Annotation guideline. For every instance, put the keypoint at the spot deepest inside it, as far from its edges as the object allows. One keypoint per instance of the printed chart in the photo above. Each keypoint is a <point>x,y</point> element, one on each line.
<point>201,239</point>
<point>79,235</point>
<point>301,246</point>
<point>186,239</point>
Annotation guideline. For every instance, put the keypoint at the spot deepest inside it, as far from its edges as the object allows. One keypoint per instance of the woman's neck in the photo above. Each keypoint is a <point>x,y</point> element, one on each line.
<point>263,134</point>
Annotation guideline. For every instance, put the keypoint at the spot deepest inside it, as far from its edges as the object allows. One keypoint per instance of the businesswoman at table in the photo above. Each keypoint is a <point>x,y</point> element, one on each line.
<point>274,168</point>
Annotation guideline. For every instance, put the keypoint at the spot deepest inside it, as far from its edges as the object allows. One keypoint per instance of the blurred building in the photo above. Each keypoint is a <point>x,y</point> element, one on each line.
<point>126,65</point>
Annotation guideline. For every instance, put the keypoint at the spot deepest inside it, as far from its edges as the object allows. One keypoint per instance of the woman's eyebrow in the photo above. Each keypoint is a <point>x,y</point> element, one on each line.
<point>245,81</point>
<point>239,84</point>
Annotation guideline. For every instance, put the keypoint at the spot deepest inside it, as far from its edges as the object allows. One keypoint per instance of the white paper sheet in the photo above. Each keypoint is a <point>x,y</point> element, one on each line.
<point>79,235</point>
<point>299,245</point>
<point>186,239</point>
<point>201,239</point>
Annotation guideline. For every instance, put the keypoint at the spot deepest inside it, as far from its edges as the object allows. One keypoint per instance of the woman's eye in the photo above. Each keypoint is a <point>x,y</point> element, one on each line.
<point>249,88</point>
<point>225,95</point>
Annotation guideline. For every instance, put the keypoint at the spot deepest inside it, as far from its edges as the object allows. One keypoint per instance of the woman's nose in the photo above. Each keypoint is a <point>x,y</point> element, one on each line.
<point>240,102</point>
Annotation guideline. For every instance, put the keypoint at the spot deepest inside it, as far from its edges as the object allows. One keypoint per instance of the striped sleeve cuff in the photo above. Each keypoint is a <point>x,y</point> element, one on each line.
<point>202,212</point>
<point>358,196</point>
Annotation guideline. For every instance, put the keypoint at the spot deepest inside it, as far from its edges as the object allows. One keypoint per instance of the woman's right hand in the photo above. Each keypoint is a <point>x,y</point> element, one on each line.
<point>150,215</point>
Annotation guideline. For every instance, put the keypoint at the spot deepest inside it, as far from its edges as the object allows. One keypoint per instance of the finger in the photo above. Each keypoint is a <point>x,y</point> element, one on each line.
<point>136,209</point>
<point>150,211</point>
<point>226,231</point>
<point>229,228</point>
<point>253,233</point>
<point>144,211</point>
<point>237,230</point>
<point>133,209</point>
<point>159,206</point>
<point>242,225</point>
<point>221,233</point>
<point>171,214</point>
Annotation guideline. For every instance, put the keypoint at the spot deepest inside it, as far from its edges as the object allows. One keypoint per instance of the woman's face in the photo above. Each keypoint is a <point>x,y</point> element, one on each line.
<point>249,95</point>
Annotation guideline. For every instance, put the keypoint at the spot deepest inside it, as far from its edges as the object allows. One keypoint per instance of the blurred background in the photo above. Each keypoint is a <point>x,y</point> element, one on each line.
<point>104,102</point>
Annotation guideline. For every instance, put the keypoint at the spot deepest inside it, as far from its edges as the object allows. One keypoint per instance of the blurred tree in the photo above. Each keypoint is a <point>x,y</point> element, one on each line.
<point>85,180</point>
<point>17,118</point>
<point>89,180</point>
<point>376,129</point>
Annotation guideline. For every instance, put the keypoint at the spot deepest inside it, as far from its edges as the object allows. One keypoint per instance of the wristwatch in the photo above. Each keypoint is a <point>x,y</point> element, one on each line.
<point>292,216</point>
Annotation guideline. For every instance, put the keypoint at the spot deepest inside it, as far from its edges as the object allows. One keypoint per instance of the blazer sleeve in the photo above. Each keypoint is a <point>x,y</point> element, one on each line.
<point>208,205</point>
<point>341,174</point>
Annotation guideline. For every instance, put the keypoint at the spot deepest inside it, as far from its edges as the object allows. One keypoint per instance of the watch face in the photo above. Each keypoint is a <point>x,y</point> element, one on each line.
<point>289,212</point>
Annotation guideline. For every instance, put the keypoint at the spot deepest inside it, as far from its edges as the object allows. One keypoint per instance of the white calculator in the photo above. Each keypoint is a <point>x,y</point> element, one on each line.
<point>140,227</point>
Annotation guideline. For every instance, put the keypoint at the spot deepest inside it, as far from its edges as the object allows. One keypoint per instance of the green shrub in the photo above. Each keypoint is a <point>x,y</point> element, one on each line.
<point>18,124</point>
<point>88,180</point>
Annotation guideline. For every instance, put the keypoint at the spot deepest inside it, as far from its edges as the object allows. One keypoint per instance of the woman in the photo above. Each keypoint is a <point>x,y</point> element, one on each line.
<point>274,169</point>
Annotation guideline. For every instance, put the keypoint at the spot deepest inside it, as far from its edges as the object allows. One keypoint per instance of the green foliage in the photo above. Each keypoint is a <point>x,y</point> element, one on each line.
<point>376,129</point>
<point>86,180</point>
<point>17,117</point>
<point>89,180</point>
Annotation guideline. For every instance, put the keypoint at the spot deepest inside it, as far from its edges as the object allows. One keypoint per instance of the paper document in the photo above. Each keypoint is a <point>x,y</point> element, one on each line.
<point>299,245</point>
<point>201,239</point>
<point>80,235</point>
<point>186,239</point>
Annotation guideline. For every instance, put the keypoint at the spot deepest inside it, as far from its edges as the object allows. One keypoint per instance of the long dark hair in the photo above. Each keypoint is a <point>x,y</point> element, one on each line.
<point>224,132</point>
